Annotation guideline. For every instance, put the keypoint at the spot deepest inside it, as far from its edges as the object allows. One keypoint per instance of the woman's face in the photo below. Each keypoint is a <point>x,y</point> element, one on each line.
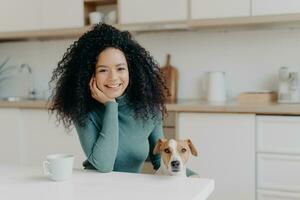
<point>111,72</point>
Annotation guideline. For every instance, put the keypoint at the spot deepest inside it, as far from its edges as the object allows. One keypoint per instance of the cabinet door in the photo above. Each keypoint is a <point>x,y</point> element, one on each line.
<point>226,151</point>
<point>143,11</point>
<point>41,136</point>
<point>20,15</point>
<point>9,135</point>
<point>62,13</point>
<point>269,7</point>
<point>204,9</point>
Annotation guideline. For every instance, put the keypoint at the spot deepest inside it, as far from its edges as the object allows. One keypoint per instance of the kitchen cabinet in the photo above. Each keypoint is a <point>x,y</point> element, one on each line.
<point>205,9</point>
<point>41,136</point>
<point>226,146</point>
<point>9,134</point>
<point>61,14</point>
<point>20,15</point>
<point>271,7</point>
<point>278,156</point>
<point>145,11</point>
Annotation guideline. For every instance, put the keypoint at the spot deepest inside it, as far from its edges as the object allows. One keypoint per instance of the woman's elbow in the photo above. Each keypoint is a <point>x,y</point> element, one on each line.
<point>101,166</point>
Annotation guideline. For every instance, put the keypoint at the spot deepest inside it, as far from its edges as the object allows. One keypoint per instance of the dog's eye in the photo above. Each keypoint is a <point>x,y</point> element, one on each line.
<point>183,150</point>
<point>167,151</point>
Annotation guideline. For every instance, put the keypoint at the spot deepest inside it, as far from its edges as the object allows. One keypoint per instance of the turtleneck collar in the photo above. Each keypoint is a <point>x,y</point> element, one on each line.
<point>121,100</point>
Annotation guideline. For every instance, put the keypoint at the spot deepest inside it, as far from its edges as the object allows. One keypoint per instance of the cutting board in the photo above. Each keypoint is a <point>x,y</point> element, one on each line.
<point>171,75</point>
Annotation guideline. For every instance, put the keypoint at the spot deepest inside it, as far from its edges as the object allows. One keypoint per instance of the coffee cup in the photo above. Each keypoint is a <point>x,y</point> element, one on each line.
<point>96,17</point>
<point>58,167</point>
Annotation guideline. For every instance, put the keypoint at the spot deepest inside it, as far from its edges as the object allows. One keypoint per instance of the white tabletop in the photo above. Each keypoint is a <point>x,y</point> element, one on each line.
<point>30,183</point>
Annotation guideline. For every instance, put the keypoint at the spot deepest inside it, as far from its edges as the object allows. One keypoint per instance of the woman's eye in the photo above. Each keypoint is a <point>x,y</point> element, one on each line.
<point>121,69</point>
<point>102,70</point>
<point>183,150</point>
<point>167,151</point>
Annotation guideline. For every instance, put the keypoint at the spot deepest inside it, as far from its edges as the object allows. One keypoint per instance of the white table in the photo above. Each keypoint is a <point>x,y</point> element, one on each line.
<point>30,183</point>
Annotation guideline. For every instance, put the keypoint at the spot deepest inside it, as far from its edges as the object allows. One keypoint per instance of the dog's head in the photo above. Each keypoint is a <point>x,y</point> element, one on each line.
<point>175,154</point>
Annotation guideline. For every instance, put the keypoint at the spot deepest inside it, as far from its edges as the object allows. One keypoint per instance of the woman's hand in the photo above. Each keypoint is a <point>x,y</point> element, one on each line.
<point>97,93</point>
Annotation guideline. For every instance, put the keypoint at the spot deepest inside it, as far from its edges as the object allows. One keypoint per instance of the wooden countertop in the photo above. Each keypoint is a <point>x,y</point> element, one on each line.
<point>191,105</point>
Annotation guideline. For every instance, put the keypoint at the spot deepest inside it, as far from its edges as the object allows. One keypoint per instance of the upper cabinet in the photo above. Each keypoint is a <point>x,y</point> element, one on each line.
<point>19,15</point>
<point>61,14</point>
<point>209,9</point>
<point>33,15</point>
<point>145,11</point>
<point>270,7</point>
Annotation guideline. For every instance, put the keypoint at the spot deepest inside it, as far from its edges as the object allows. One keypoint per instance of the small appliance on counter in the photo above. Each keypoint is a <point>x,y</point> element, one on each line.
<point>214,86</point>
<point>288,87</point>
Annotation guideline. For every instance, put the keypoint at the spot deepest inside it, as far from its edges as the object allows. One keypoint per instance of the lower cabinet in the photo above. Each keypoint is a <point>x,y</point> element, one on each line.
<point>29,135</point>
<point>226,146</point>
<point>9,136</point>
<point>278,157</point>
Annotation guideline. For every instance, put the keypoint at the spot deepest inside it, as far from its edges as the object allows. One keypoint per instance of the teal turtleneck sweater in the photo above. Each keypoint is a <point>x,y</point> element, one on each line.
<point>114,140</point>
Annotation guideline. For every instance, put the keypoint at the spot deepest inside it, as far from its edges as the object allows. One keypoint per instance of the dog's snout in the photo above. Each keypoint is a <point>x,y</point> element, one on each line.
<point>175,163</point>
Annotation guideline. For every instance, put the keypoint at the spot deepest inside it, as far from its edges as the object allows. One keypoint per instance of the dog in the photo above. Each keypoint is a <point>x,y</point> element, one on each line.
<point>174,156</point>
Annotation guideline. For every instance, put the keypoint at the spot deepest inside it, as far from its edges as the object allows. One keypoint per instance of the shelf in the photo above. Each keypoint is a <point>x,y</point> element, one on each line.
<point>100,2</point>
<point>258,22</point>
<point>247,21</point>
<point>43,34</point>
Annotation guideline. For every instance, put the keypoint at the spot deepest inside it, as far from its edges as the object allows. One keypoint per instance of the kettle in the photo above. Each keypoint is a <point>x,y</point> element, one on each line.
<point>215,87</point>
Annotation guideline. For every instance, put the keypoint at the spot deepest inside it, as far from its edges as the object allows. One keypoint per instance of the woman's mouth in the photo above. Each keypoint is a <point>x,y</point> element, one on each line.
<point>113,86</point>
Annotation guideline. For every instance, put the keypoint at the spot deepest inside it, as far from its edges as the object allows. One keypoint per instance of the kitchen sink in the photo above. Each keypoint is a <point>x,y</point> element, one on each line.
<point>16,99</point>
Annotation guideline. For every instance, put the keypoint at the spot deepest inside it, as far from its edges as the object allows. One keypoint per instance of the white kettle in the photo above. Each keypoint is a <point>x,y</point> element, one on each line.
<point>215,86</point>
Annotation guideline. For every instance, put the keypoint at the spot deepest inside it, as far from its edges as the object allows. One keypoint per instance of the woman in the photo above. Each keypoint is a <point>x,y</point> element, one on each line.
<point>111,89</point>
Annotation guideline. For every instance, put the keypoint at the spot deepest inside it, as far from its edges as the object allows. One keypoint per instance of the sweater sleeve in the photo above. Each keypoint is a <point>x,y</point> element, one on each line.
<point>101,146</point>
<point>153,138</point>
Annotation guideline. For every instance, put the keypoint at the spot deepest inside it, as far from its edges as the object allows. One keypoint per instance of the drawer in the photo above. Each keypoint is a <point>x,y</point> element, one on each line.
<point>275,195</point>
<point>278,172</point>
<point>278,134</point>
<point>170,119</point>
<point>169,133</point>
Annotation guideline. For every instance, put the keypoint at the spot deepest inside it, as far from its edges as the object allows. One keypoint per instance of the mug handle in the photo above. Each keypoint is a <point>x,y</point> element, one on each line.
<point>46,167</point>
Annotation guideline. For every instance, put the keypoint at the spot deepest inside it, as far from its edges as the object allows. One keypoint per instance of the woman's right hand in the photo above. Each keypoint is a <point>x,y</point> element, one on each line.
<point>97,93</point>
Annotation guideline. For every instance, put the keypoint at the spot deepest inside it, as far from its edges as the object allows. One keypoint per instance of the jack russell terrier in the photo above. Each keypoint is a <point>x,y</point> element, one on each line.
<point>174,156</point>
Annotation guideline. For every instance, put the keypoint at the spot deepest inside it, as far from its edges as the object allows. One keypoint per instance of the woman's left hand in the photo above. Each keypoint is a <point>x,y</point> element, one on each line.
<point>97,93</point>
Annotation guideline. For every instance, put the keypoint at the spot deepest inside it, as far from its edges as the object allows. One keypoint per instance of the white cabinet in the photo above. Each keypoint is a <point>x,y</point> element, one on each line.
<point>9,135</point>
<point>19,15</point>
<point>143,11</point>
<point>204,9</point>
<point>226,145</point>
<point>61,14</point>
<point>27,15</point>
<point>269,7</point>
<point>41,136</point>
<point>278,156</point>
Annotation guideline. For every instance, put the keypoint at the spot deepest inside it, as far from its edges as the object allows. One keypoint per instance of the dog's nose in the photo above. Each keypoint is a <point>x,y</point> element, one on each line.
<point>175,163</point>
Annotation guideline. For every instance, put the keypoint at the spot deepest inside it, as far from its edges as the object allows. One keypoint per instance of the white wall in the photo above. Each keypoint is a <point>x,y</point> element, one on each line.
<point>250,58</point>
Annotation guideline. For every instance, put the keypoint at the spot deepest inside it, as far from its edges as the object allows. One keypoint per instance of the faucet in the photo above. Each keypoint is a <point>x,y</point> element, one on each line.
<point>31,90</point>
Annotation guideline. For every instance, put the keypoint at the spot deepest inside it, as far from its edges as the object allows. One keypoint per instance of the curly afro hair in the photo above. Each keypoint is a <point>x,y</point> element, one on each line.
<point>71,95</point>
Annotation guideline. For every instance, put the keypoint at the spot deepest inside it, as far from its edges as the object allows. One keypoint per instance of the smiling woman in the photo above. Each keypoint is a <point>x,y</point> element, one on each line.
<point>111,75</point>
<point>112,90</point>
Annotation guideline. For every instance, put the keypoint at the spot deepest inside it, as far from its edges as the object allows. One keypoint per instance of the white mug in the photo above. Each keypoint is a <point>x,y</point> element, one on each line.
<point>216,86</point>
<point>96,17</point>
<point>58,167</point>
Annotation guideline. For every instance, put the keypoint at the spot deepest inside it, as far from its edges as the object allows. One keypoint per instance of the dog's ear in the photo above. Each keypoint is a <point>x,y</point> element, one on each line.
<point>192,147</point>
<point>159,142</point>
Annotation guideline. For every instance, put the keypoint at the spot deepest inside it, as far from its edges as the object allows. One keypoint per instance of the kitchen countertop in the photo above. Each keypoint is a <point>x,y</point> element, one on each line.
<point>191,105</point>
<point>30,183</point>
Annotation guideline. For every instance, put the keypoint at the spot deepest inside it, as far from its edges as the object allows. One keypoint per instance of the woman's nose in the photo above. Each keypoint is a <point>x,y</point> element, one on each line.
<point>113,75</point>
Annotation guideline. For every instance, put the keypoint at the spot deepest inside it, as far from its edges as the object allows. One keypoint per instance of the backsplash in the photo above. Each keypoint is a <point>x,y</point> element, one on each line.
<point>251,59</point>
